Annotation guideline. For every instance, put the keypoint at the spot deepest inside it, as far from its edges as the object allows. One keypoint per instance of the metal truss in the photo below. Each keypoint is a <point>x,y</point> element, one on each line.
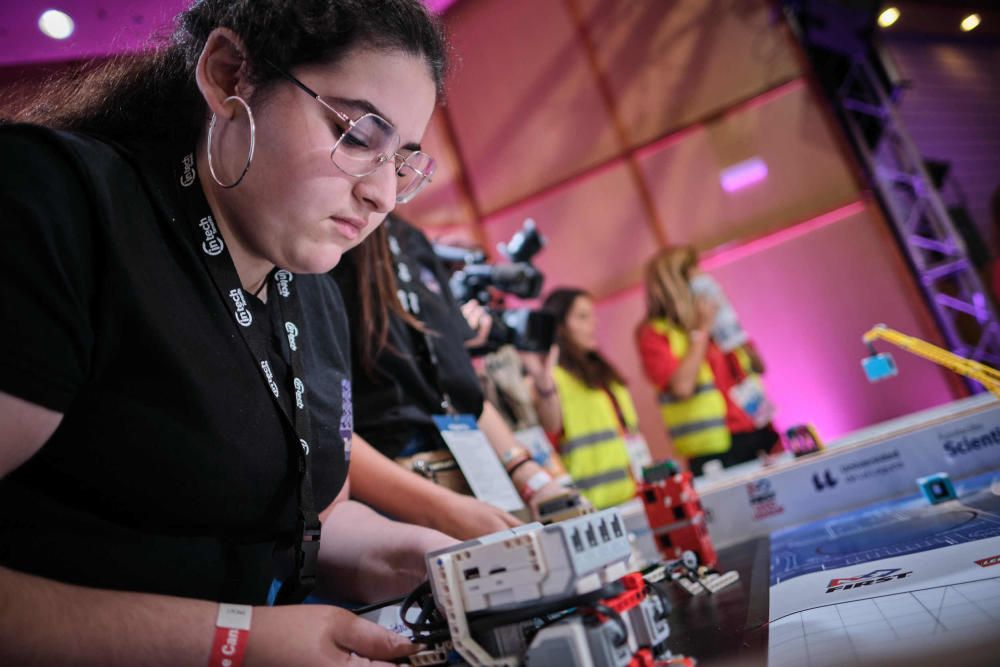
<point>935,249</point>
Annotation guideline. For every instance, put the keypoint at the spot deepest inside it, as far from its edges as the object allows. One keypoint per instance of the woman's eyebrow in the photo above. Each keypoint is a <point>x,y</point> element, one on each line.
<point>361,105</point>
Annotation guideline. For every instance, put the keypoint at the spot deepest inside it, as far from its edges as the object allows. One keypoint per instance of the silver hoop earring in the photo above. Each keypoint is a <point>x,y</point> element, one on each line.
<point>253,136</point>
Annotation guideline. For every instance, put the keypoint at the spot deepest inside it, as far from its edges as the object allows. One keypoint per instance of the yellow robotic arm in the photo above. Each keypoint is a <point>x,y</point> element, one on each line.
<point>879,366</point>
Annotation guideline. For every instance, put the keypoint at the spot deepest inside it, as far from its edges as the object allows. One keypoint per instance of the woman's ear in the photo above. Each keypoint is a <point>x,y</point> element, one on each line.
<point>222,71</point>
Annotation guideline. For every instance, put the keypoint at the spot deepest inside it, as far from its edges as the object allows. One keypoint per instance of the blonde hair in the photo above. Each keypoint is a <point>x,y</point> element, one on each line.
<point>668,294</point>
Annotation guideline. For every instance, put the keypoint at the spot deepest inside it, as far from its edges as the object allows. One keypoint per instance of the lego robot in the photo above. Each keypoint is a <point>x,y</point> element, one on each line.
<point>559,594</point>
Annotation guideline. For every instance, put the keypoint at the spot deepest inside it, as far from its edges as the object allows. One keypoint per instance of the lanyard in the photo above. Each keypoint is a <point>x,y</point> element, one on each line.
<point>410,301</point>
<point>211,247</point>
<point>618,410</point>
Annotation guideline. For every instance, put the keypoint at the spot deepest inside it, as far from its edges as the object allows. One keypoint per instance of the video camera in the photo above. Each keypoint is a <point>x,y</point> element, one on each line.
<point>526,329</point>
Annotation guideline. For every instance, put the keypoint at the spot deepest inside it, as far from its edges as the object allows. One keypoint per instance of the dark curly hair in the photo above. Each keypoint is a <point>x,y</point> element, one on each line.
<point>154,95</point>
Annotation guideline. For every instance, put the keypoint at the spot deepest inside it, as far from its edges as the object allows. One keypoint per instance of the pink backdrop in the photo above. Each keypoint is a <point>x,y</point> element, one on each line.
<point>609,125</point>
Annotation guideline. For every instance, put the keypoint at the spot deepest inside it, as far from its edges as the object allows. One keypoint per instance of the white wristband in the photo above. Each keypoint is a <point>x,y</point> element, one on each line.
<point>535,483</point>
<point>235,616</point>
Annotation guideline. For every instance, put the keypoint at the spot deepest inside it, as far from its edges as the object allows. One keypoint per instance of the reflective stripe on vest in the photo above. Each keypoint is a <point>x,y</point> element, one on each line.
<point>667,399</point>
<point>569,446</point>
<point>588,483</point>
<point>694,427</point>
<point>697,424</point>
<point>592,448</point>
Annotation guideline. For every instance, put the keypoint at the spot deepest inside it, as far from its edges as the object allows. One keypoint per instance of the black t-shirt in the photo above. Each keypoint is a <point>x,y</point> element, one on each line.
<point>395,402</point>
<point>172,470</point>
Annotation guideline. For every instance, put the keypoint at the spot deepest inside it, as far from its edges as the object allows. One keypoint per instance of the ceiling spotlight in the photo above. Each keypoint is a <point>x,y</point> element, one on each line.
<point>888,16</point>
<point>971,22</point>
<point>56,24</point>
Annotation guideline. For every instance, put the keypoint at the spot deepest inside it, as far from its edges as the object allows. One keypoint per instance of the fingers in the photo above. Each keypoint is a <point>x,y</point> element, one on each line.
<point>473,312</point>
<point>358,661</point>
<point>509,520</point>
<point>532,362</point>
<point>479,321</point>
<point>372,641</point>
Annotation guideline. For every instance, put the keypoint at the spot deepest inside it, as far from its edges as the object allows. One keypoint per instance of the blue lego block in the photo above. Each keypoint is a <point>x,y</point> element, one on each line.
<point>879,367</point>
<point>937,488</point>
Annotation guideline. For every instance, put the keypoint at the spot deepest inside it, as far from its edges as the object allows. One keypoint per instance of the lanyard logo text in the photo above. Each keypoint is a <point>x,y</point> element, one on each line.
<point>300,389</point>
<point>284,279</point>
<point>270,377</point>
<point>243,315</point>
<point>293,333</point>
<point>212,245</point>
<point>187,178</point>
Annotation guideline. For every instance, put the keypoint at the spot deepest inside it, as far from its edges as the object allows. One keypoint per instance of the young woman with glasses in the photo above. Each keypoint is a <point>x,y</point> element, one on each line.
<point>175,396</point>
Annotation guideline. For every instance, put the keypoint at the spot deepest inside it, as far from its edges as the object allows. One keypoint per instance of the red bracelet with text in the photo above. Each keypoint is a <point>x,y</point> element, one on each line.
<point>232,632</point>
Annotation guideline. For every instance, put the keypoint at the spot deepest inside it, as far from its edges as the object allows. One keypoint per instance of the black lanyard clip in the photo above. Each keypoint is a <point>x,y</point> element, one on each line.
<point>307,551</point>
<point>302,579</point>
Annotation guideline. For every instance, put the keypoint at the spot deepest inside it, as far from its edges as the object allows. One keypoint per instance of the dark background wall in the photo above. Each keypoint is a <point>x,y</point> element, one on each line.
<point>952,110</point>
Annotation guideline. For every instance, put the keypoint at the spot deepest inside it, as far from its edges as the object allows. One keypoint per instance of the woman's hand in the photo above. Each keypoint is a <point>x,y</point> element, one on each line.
<point>479,321</point>
<point>544,396</point>
<point>539,365</point>
<point>465,518</point>
<point>707,308</point>
<point>321,636</point>
<point>547,492</point>
<point>550,490</point>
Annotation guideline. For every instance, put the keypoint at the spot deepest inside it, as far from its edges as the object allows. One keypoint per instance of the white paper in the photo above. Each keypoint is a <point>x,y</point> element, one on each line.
<point>479,463</point>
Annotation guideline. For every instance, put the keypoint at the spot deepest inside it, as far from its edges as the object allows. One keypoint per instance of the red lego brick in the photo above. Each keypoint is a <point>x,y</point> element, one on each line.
<point>673,541</point>
<point>635,593</point>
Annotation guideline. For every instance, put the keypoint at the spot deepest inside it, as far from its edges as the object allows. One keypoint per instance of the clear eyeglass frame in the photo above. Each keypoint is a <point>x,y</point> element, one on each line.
<point>370,141</point>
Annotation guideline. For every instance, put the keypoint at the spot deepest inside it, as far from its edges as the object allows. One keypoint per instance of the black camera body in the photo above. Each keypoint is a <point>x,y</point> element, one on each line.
<point>526,329</point>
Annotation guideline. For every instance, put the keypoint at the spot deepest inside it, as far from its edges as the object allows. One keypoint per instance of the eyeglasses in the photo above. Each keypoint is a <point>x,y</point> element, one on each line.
<point>367,143</point>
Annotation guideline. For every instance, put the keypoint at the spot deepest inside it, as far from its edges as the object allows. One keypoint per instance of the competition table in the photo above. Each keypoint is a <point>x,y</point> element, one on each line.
<point>843,562</point>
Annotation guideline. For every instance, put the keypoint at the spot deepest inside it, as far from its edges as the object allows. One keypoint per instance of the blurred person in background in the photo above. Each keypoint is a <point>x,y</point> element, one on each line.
<point>413,366</point>
<point>512,380</point>
<point>598,431</point>
<point>702,364</point>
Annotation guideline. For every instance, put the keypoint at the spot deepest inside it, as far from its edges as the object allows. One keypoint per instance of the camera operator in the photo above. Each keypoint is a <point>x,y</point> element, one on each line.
<point>414,366</point>
<point>517,382</point>
<point>515,365</point>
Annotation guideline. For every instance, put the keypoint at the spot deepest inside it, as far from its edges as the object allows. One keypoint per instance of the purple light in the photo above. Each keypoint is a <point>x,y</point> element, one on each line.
<point>438,6</point>
<point>743,174</point>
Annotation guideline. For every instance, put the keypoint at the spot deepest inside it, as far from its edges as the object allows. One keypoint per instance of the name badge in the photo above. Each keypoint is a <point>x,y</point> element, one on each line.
<point>479,463</point>
<point>749,395</point>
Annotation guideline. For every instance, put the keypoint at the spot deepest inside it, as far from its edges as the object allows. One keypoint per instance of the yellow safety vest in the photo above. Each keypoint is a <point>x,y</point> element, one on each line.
<point>592,447</point>
<point>697,425</point>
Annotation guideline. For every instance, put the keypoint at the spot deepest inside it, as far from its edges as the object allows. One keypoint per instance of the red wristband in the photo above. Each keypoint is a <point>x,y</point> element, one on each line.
<point>232,632</point>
